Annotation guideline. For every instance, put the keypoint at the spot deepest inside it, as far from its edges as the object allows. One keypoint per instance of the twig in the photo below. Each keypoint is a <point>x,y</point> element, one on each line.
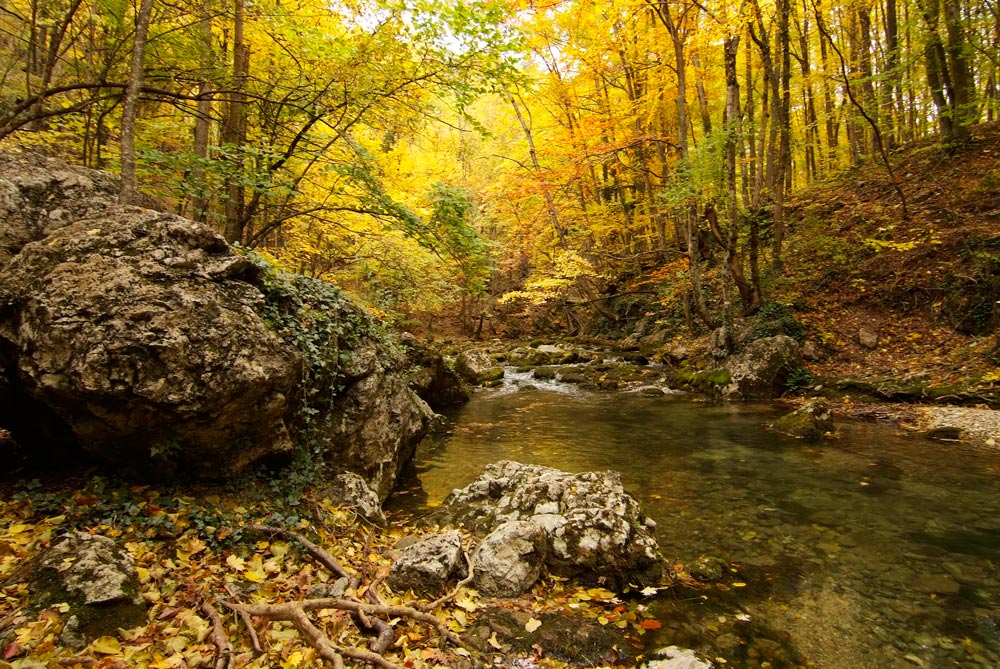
<point>383,631</point>
<point>223,649</point>
<point>283,612</point>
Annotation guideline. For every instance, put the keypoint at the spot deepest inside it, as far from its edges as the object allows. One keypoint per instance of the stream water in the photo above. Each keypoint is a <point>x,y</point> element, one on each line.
<point>876,550</point>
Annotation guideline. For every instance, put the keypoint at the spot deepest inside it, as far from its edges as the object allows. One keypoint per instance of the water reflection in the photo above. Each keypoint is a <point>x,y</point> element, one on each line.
<point>872,551</point>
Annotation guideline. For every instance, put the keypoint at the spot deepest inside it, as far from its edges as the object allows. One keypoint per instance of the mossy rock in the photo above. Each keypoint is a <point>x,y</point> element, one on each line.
<point>545,373</point>
<point>703,381</point>
<point>708,568</point>
<point>573,376</point>
<point>812,422</point>
<point>94,576</point>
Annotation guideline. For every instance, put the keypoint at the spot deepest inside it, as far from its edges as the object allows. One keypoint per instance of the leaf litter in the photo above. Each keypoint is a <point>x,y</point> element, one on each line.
<point>191,552</point>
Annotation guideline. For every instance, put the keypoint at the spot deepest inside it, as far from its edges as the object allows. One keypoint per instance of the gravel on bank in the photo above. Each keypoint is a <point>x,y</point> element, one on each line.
<point>978,425</point>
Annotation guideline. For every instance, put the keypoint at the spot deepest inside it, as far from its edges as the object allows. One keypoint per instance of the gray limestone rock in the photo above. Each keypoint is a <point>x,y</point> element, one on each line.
<point>137,329</point>
<point>93,575</point>
<point>141,339</point>
<point>510,559</point>
<point>354,492</point>
<point>427,565</point>
<point>761,370</point>
<point>477,366</point>
<point>595,530</point>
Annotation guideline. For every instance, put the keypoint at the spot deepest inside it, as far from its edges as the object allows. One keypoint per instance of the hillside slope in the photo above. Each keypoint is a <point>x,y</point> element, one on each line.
<point>926,286</point>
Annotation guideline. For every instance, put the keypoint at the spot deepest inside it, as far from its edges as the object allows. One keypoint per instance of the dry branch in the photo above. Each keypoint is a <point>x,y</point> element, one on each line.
<point>454,593</point>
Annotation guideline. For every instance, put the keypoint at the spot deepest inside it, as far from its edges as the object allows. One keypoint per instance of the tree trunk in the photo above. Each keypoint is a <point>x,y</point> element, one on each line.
<point>129,188</point>
<point>783,121</point>
<point>550,204</point>
<point>196,206</point>
<point>234,131</point>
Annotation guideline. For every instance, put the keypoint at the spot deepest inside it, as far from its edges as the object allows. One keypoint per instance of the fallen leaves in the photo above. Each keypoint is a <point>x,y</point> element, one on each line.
<point>182,564</point>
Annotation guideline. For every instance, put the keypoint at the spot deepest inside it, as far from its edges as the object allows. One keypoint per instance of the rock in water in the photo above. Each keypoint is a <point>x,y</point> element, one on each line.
<point>477,367</point>
<point>594,529</point>
<point>433,380</point>
<point>812,421</point>
<point>761,370</point>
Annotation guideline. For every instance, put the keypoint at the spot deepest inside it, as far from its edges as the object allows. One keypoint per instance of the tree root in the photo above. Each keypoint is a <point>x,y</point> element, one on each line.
<point>368,615</point>
<point>223,649</point>
<point>454,593</point>
<point>320,554</point>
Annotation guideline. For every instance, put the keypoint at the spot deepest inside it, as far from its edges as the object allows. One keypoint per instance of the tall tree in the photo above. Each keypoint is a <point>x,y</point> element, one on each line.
<point>129,182</point>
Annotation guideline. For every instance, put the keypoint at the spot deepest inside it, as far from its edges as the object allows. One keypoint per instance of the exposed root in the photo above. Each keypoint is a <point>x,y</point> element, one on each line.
<point>320,554</point>
<point>223,649</point>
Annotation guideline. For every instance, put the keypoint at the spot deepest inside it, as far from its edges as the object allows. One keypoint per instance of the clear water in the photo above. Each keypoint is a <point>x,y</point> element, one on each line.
<point>875,551</point>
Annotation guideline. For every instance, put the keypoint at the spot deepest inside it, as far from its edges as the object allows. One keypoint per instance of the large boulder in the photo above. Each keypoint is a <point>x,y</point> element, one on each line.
<point>762,369</point>
<point>39,195</point>
<point>373,420</point>
<point>91,574</point>
<point>151,343</point>
<point>593,528</point>
<point>477,366</point>
<point>138,330</point>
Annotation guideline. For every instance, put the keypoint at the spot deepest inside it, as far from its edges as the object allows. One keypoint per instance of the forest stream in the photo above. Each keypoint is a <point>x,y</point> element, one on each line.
<point>875,550</point>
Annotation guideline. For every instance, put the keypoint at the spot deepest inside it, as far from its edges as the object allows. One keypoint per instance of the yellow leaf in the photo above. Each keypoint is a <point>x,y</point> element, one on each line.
<point>738,584</point>
<point>236,563</point>
<point>177,644</point>
<point>196,545</point>
<point>293,660</point>
<point>532,624</point>
<point>106,645</point>
<point>255,576</point>
<point>279,549</point>
<point>198,626</point>
<point>494,642</point>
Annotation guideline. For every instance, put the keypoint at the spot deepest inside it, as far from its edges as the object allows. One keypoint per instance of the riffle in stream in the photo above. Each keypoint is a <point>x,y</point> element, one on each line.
<point>873,551</point>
